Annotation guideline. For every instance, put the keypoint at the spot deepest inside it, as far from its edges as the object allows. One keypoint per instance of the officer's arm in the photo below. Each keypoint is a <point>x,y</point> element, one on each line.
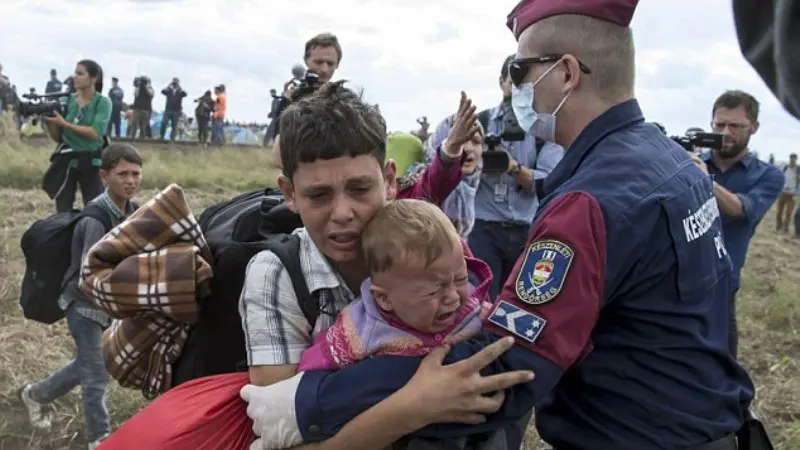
<point>565,261</point>
<point>751,206</point>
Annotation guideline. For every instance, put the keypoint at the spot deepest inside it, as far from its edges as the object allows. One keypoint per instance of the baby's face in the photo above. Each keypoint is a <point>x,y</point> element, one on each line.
<point>424,298</point>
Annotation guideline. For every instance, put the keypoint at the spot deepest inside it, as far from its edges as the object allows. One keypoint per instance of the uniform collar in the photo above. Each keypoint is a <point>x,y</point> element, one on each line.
<point>615,118</point>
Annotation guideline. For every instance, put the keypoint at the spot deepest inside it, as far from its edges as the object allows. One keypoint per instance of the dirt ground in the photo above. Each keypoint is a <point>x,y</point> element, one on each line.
<point>769,311</point>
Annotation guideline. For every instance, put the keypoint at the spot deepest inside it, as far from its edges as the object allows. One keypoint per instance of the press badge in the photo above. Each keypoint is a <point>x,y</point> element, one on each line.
<point>501,192</point>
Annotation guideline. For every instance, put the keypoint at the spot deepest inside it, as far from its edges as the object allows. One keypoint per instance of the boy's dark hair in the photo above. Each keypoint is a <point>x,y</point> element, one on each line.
<point>331,123</point>
<point>118,152</point>
<point>734,99</point>
<point>323,40</point>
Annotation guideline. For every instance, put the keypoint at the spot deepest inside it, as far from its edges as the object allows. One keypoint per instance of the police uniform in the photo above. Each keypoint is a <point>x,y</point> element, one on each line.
<point>619,303</point>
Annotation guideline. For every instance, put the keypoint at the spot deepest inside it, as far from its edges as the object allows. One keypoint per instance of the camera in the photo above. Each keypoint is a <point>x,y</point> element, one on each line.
<point>306,85</point>
<point>141,81</point>
<point>495,161</point>
<point>42,105</point>
<point>699,139</point>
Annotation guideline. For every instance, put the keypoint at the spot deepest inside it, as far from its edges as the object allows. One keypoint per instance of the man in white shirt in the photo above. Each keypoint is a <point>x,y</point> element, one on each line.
<point>791,187</point>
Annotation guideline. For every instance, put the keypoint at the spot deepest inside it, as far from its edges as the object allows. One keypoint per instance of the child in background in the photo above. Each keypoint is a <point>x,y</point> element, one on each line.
<point>424,288</point>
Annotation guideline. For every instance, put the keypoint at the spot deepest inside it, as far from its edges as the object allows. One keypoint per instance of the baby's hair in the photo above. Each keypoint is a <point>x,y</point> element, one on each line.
<point>407,228</point>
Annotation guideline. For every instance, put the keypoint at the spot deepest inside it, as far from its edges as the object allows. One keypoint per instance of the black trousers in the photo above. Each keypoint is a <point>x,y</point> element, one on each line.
<point>89,180</point>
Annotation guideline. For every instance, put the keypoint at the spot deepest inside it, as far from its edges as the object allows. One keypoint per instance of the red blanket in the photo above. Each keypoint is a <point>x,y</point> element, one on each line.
<point>202,414</point>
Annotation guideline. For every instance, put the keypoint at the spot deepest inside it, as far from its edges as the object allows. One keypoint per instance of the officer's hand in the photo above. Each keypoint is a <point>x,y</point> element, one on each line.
<point>699,163</point>
<point>458,392</point>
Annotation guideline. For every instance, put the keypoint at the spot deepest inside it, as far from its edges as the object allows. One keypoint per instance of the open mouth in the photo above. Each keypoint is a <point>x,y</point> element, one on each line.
<point>343,241</point>
<point>446,317</point>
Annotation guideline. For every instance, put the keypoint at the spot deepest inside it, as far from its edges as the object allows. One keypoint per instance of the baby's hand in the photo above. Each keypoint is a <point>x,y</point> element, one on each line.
<point>486,308</point>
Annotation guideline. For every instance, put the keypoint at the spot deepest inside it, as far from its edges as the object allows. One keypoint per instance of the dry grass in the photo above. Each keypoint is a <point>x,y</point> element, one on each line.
<point>769,303</point>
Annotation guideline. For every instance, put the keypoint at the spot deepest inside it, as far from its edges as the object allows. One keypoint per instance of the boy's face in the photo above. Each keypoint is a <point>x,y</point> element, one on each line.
<point>427,299</point>
<point>336,198</point>
<point>123,180</point>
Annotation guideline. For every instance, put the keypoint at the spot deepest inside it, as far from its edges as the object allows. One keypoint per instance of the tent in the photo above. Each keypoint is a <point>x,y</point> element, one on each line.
<point>245,136</point>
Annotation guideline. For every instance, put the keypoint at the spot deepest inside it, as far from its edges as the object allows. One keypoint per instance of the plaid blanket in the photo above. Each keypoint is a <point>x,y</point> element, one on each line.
<point>147,273</point>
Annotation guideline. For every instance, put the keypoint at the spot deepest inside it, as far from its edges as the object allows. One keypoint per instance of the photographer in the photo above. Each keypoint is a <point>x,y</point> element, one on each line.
<point>745,187</point>
<point>80,135</point>
<point>173,109</point>
<point>322,57</point>
<point>142,106</point>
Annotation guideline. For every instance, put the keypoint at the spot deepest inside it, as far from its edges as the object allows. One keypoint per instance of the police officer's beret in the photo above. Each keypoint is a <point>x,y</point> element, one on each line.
<point>528,12</point>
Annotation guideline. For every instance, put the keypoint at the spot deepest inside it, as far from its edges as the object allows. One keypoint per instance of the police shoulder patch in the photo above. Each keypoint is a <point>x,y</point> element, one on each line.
<point>517,321</point>
<point>542,274</point>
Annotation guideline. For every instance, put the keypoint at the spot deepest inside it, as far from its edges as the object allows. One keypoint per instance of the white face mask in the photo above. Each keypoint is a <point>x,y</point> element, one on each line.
<point>542,126</point>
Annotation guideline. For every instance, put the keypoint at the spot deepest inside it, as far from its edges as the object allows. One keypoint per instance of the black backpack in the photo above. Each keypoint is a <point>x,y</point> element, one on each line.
<point>47,247</point>
<point>236,231</point>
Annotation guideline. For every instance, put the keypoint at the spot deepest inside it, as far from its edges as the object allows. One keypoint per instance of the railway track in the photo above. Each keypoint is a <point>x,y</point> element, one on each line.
<point>40,140</point>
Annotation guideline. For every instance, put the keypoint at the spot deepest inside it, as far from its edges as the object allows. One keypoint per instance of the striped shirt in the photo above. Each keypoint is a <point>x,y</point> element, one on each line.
<point>276,331</point>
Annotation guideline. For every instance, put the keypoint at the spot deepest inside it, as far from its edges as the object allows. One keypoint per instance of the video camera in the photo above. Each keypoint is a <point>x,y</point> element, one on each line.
<point>694,139</point>
<point>496,161</point>
<point>305,85</point>
<point>42,104</point>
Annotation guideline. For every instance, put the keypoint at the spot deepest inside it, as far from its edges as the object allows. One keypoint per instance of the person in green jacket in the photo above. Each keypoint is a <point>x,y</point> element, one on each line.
<point>80,134</point>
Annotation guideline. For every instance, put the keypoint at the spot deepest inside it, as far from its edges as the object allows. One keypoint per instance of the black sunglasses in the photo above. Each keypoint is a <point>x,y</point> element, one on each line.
<point>518,68</point>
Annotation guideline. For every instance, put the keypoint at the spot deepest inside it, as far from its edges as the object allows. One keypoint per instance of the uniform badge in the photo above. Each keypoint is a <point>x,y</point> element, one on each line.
<point>543,271</point>
<point>517,321</point>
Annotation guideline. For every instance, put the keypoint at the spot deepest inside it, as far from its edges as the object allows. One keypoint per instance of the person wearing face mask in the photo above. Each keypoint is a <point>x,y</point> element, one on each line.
<point>506,202</point>
<point>744,186</point>
<point>618,304</point>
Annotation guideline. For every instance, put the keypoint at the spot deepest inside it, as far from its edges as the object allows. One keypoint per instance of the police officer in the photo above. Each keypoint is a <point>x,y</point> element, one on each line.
<point>619,302</point>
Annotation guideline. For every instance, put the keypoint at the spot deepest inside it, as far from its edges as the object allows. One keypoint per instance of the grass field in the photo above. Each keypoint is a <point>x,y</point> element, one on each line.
<point>769,302</point>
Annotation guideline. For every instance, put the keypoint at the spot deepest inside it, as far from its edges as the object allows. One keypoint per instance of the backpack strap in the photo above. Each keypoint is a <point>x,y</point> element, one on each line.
<point>96,212</point>
<point>287,249</point>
